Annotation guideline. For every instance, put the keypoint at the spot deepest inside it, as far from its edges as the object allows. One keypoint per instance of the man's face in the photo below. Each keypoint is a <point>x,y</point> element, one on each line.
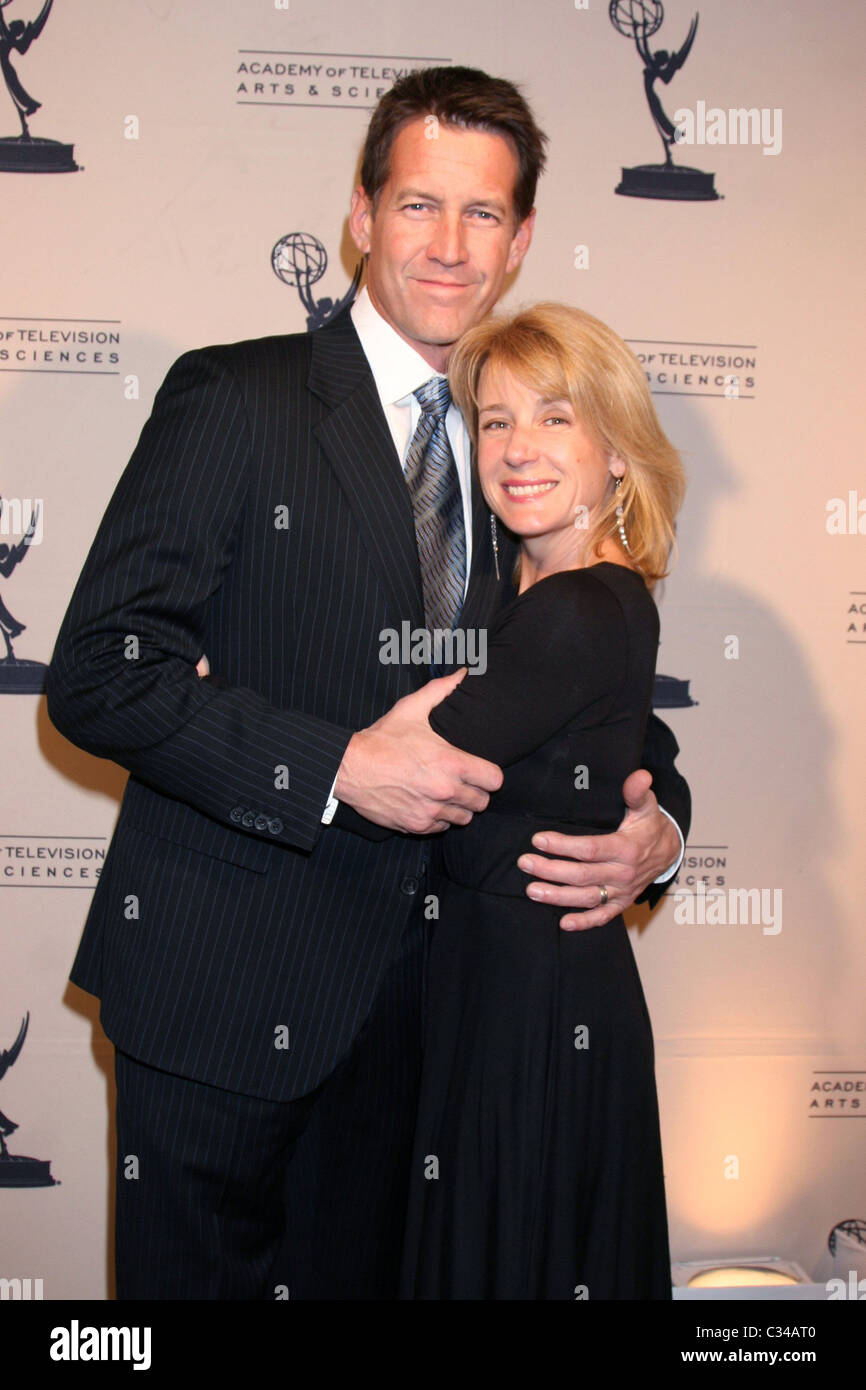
<point>443,237</point>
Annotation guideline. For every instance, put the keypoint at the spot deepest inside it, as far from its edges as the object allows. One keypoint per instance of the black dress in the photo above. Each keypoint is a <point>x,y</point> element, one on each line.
<point>537,1167</point>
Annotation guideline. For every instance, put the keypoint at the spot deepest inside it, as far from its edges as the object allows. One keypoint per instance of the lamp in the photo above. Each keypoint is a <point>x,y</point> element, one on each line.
<point>749,1277</point>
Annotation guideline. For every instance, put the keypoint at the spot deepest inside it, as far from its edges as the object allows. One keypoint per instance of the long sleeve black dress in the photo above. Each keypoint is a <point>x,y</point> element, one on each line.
<point>537,1167</point>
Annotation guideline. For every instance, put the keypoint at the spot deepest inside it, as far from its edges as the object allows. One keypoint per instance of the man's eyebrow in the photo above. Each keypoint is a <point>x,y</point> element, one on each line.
<point>486,203</point>
<point>418,195</point>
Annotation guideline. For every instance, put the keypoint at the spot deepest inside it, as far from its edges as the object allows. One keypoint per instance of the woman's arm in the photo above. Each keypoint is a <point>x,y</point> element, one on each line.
<point>560,650</point>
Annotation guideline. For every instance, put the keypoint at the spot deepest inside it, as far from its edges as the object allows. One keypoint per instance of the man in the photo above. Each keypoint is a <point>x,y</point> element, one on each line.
<point>259,950</point>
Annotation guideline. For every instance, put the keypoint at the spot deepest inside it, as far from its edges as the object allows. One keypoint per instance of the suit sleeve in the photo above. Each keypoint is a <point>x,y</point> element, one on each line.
<point>347,818</point>
<point>122,682</point>
<point>670,787</point>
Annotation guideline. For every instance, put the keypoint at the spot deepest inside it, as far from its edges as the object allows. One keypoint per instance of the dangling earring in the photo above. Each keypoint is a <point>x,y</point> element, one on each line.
<point>495,540</point>
<point>619,523</point>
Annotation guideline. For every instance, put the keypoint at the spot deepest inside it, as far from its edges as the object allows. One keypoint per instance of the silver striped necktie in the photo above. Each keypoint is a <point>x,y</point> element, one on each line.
<point>431,475</point>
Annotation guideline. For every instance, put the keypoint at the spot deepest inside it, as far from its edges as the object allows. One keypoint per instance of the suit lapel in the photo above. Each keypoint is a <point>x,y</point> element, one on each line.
<point>358,444</point>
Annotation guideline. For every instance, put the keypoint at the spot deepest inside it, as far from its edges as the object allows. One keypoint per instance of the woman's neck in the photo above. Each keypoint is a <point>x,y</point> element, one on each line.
<point>535,564</point>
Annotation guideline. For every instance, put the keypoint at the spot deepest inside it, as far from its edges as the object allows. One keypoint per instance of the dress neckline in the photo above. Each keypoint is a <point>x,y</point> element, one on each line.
<point>582,569</point>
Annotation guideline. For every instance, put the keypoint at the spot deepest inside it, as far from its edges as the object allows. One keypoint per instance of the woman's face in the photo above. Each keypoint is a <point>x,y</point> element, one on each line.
<point>541,472</point>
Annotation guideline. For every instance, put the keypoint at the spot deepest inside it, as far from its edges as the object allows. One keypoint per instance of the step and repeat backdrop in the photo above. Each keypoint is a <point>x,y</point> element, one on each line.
<point>184,178</point>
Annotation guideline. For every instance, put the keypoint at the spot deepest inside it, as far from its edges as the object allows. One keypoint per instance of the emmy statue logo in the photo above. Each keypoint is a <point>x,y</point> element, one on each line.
<point>299,260</point>
<point>639,20</point>
<point>15,1169</point>
<point>26,153</point>
<point>17,677</point>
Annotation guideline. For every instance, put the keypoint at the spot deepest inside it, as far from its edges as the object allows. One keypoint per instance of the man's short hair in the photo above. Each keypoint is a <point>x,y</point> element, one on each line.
<point>463,97</point>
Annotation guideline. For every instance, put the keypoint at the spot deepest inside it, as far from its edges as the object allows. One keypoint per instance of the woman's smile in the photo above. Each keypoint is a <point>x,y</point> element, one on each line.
<point>526,490</point>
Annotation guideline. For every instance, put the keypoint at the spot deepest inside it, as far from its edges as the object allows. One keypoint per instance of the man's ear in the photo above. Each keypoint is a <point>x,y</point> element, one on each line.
<point>520,242</point>
<point>360,220</point>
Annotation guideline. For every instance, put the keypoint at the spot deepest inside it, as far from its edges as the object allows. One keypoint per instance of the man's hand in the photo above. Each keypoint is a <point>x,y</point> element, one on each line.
<point>624,862</point>
<point>400,774</point>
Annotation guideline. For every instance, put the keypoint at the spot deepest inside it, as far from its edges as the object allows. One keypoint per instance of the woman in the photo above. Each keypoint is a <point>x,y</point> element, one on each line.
<point>537,1170</point>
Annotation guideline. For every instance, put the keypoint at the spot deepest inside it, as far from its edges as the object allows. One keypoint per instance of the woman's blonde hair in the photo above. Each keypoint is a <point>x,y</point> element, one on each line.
<point>567,354</point>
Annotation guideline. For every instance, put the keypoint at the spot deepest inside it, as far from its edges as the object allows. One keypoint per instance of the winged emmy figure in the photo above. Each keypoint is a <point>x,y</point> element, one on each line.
<point>8,1126</point>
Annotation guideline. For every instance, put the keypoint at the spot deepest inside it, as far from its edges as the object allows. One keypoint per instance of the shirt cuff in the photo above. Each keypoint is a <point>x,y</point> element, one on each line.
<point>668,873</point>
<point>332,804</point>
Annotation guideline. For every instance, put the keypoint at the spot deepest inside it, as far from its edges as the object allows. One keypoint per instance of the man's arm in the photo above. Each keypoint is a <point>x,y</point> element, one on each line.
<point>122,682</point>
<point>399,773</point>
<point>671,788</point>
<point>391,768</point>
<point>627,862</point>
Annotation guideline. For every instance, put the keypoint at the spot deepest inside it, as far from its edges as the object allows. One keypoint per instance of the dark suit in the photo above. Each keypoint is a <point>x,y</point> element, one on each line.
<point>226,911</point>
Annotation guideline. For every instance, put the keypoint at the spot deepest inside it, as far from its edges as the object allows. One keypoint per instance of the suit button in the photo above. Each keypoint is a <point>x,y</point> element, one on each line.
<point>248,819</point>
<point>275,825</point>
<point>409,886</point>
<point>261,823</point>
<point>235,814</point>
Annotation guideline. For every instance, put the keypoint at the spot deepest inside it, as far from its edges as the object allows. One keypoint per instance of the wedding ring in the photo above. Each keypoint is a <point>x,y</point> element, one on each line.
<point>603,892</point>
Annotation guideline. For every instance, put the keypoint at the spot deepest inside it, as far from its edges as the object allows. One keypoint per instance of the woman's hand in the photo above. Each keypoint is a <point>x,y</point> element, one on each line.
<point>202,666</point>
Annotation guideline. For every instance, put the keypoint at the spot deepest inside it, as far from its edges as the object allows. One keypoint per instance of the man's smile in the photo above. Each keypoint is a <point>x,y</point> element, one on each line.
<point>443,284</point>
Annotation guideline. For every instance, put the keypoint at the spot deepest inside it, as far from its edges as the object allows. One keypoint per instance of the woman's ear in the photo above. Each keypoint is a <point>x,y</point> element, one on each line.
<point>617,466</point>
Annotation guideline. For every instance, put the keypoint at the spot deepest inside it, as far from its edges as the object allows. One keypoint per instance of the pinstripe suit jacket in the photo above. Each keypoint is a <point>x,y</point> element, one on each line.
<point>225,910</point>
